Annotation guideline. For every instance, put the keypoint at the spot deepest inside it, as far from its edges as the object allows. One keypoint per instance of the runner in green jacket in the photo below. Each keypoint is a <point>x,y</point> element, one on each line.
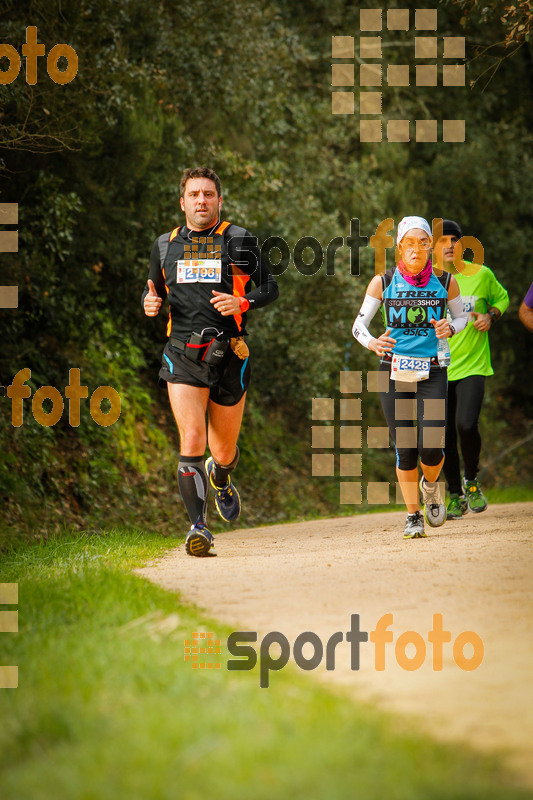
<point>485,300</point>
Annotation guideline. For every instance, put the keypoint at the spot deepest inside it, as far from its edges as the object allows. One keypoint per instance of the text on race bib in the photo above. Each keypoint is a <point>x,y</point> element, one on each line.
<point>406,368</point>
<point>199,271</point>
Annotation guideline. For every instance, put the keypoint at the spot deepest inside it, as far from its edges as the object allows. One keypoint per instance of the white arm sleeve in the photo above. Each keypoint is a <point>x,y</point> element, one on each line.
<point>459,316</point>
<point>364,318</point>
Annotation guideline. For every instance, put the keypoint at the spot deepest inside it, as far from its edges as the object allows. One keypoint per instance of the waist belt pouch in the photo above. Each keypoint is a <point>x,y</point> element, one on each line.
<point>205,348</point>
<point>196,347</point>
<point>215,352</point>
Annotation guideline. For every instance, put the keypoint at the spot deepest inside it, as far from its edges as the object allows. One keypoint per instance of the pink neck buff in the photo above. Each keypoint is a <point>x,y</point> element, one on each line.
<point>421,278</point>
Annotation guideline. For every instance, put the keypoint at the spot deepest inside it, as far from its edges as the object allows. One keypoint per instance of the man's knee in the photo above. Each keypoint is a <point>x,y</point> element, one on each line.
<point>225,455</point>
<point>467,427</point>
<point>193,441</point>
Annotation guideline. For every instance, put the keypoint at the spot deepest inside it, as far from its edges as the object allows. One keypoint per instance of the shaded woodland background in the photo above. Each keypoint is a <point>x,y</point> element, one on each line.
<point>242,86</point>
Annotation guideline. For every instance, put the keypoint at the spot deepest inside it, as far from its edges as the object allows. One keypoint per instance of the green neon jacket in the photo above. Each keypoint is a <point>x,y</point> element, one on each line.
<point>470,350</point>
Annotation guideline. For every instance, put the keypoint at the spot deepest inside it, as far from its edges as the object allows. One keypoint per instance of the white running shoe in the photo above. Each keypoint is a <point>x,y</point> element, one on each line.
<point>414,526</point>
<point>434,507</point>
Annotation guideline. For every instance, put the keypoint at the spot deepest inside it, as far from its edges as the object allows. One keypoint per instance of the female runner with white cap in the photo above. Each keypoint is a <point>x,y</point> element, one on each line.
<point>414,303</point>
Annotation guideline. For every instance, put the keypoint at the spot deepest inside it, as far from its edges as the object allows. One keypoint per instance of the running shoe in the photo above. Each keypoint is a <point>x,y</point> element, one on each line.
<point>457,506</point>
<point>414,526</point>
<point>434,508</point>
<point>199,541</point>
<point>227,500</point>
<point>477,502</point>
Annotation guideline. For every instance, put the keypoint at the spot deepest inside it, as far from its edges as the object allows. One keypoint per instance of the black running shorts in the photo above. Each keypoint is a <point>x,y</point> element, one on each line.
<point>227,382</point>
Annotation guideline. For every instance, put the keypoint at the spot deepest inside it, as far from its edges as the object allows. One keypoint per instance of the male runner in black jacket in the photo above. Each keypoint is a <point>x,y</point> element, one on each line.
<point>206,268</point>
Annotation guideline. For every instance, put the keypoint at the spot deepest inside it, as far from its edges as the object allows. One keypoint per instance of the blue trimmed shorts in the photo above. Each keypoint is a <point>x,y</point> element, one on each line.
<point>227,382</point>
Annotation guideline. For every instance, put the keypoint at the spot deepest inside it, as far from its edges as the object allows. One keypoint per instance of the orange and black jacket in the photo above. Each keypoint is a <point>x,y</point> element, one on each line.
<point>178,269</point>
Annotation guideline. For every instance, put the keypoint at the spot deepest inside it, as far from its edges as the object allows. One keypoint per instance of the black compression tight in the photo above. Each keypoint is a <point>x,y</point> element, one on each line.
<point>428,441</point>
<point>465,398</point>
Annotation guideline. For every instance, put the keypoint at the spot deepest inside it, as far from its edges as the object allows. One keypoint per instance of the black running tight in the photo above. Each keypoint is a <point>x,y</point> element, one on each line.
<point>426,406</point>
<point>465,398</point>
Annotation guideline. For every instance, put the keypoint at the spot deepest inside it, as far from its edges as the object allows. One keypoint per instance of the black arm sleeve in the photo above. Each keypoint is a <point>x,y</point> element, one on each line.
<point>155,274</point>
<point>245,254</point>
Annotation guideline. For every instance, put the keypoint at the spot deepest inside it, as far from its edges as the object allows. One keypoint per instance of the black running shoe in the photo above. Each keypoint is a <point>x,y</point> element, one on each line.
<point>227,500</point>
<point>199,541</point>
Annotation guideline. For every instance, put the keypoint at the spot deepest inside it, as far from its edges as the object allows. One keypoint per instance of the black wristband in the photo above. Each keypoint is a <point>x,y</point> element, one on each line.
<point>493,316</point>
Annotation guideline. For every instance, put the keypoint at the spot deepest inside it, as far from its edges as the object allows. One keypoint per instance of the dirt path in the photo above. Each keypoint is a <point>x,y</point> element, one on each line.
<point>477,572</point>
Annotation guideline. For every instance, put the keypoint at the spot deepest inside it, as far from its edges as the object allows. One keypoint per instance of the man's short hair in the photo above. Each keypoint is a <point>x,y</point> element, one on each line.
<point>200,172</point>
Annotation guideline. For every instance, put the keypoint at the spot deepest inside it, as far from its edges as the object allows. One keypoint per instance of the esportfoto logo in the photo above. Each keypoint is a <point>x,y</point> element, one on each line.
<point>410,649</point>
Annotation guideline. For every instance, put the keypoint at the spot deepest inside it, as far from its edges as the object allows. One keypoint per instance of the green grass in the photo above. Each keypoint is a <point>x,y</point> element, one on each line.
<point>108,709</point>
<point>17,536</point>
<point>511,494</point>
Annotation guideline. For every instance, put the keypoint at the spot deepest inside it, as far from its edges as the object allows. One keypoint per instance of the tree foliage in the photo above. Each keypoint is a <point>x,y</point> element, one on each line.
<point>243,86</point>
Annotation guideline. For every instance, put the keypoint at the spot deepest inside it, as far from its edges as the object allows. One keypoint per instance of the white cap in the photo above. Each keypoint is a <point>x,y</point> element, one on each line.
<point>408,223</point>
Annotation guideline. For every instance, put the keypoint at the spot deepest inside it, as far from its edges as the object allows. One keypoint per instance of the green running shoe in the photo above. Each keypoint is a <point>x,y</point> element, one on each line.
<point>457,506</point>
<point>477,502</point>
